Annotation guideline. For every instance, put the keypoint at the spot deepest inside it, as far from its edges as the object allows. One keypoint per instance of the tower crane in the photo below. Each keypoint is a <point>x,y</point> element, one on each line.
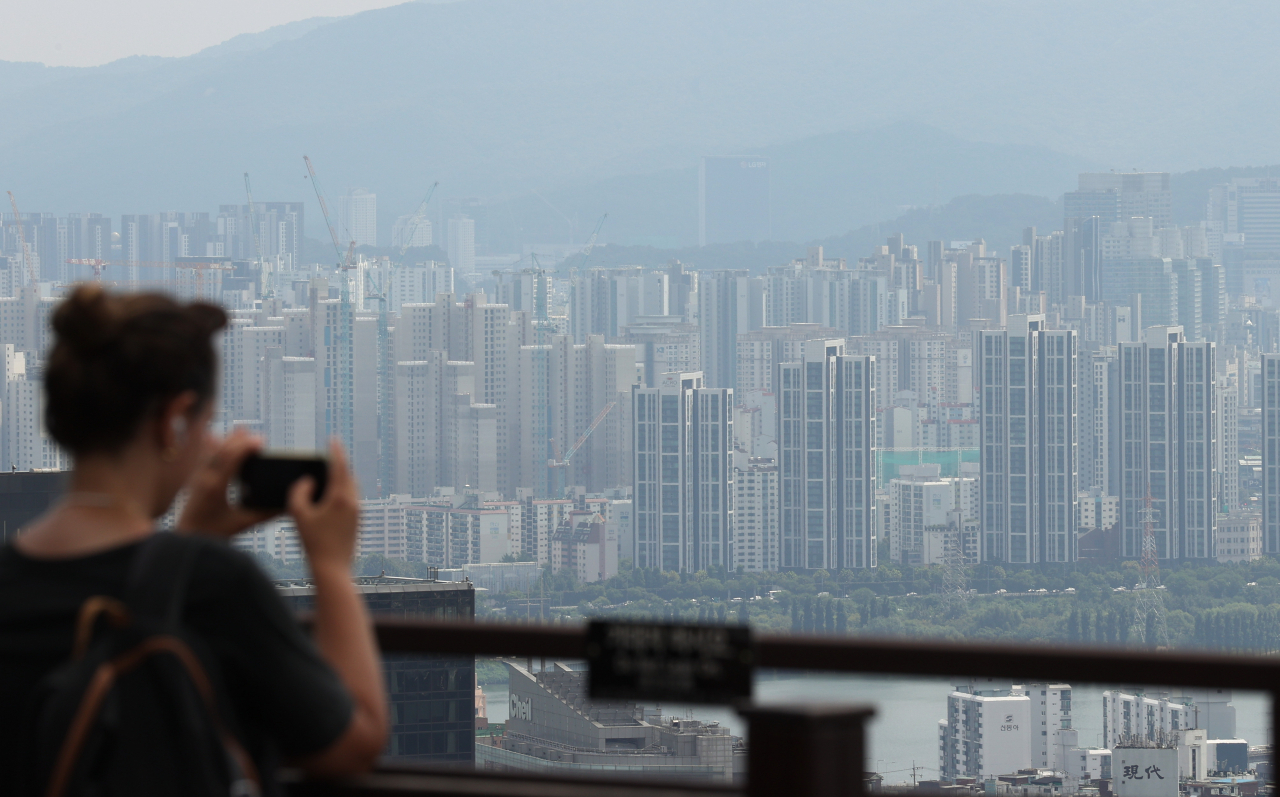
<point>267,285</point>
<point>414,222</point>
<point>253,218</point>
<point>22,241</point>
<point>345,413</point>
<point>557,465</point>
<point>197,266</point>
<point>328,220</point>
<point>591,242</point>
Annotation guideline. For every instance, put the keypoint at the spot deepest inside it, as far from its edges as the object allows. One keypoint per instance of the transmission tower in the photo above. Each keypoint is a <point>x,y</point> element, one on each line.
<point>954,592</point>
<point>1149,600</point>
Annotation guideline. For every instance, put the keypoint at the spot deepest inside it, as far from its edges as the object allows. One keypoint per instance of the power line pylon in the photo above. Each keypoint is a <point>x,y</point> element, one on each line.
<point>1149,601</point>
<point>955,594</point>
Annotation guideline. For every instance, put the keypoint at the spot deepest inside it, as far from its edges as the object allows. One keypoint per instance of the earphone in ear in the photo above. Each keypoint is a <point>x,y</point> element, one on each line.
<point>179,426</point>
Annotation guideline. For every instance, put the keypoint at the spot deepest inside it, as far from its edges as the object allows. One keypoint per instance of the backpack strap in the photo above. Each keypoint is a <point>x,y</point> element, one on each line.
<point>158,576</point>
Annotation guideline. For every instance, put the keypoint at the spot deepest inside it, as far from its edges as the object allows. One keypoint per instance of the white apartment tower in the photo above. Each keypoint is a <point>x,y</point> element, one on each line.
<point>462,244</point>
<point>1093,418</point>
<point>755,514</point>
<point>290,388</point>
<point>826,449</point>
<point>360,214</point>
<point>1026,379</point>
<point>996,728</point>
<point>684,484</point>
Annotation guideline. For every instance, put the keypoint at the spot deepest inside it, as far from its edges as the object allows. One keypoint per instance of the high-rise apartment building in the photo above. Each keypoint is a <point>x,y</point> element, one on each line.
<point>290,388</point>
<point>755,513</point>
<point>759,351</point>
<point>1271,453</point>
<point>558,390</point>
<point>462,245</point>
<point>1027,391</point>
<point>684,484</point>
<point>444,436</point>
<point>333,343</point>
<point>360,217</point>
<point>730,303</point>
<point>1227,468</point>
<point>1095,445</point>
<point>826,450</point>
<point>1164,419</point>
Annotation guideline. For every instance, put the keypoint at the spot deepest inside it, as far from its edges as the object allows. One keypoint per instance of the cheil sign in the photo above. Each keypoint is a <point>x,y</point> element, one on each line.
<point>521,708</point>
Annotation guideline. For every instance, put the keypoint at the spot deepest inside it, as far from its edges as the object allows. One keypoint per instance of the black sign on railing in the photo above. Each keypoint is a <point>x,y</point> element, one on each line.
<point>672,662</point>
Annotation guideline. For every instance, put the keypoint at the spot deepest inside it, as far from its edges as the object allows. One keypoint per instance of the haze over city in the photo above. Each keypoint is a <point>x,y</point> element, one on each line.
<point>833,323</point>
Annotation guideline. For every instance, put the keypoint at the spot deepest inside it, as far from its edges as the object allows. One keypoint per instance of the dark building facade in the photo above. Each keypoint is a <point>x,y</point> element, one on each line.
<point>25,495</point>
<point>432,697</point>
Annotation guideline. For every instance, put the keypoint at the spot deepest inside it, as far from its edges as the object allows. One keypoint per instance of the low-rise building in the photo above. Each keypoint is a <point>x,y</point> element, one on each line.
<point>553,726</point>
<point>1238,537</point>
<point>585,546</point>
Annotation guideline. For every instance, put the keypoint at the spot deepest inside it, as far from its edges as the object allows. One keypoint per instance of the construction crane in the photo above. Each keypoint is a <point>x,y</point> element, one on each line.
<point>559,465</point>
<point>591,242</point>
<point>328,220</point>
<point>253,218</point>
<point>416,221</point>
<point>199,267</point>
<point>344,379</point>
<point>268,285</point>
<point>22,241</point>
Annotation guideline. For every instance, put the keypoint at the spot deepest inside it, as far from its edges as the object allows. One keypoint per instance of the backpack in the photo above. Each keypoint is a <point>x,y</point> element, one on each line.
<point>135,710</point>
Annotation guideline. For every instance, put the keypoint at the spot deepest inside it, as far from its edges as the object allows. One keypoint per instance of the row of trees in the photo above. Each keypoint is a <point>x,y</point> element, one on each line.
<point>1234,607</point>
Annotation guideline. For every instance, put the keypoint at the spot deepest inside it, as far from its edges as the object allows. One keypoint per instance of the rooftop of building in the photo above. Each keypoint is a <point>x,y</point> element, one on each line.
<point>381,584</point>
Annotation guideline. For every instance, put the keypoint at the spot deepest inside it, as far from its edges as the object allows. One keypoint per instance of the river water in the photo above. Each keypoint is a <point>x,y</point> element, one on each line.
<point>904,733</point>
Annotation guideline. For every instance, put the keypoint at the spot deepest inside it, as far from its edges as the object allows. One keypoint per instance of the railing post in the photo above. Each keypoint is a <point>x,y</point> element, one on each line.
<point>806,750</point>
<point>1273,777</point>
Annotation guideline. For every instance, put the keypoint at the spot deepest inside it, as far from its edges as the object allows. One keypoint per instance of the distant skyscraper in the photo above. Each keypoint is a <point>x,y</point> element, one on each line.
<point>826,449</point>
<point>733,200</point>
<point>683,474</point>
<point>462,245</point>
<point>360,214</point>
<point>1026,379</point>
<point>1138,194</point>
<point>1252,211</point>
<point>1104,198</point>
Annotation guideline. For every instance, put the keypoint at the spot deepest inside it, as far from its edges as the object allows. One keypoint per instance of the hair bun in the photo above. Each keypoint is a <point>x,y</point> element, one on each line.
<point>85,320</point>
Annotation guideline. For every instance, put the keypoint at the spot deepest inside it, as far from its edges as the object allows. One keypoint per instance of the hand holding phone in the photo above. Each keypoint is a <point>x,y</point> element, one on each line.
<point>265,478</point>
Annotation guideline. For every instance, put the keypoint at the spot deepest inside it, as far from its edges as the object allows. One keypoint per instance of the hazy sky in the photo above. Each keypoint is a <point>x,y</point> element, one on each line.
<point>92,32</point>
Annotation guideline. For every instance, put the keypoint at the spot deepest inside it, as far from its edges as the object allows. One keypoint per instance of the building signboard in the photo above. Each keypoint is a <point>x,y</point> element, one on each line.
<point>1145,771</point>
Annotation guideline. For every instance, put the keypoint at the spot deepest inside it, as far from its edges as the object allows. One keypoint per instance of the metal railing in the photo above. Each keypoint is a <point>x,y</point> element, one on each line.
<point>791,750</point>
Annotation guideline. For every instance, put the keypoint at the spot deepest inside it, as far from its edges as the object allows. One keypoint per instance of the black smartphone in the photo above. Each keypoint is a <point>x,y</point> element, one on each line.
<point>265,478</point>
